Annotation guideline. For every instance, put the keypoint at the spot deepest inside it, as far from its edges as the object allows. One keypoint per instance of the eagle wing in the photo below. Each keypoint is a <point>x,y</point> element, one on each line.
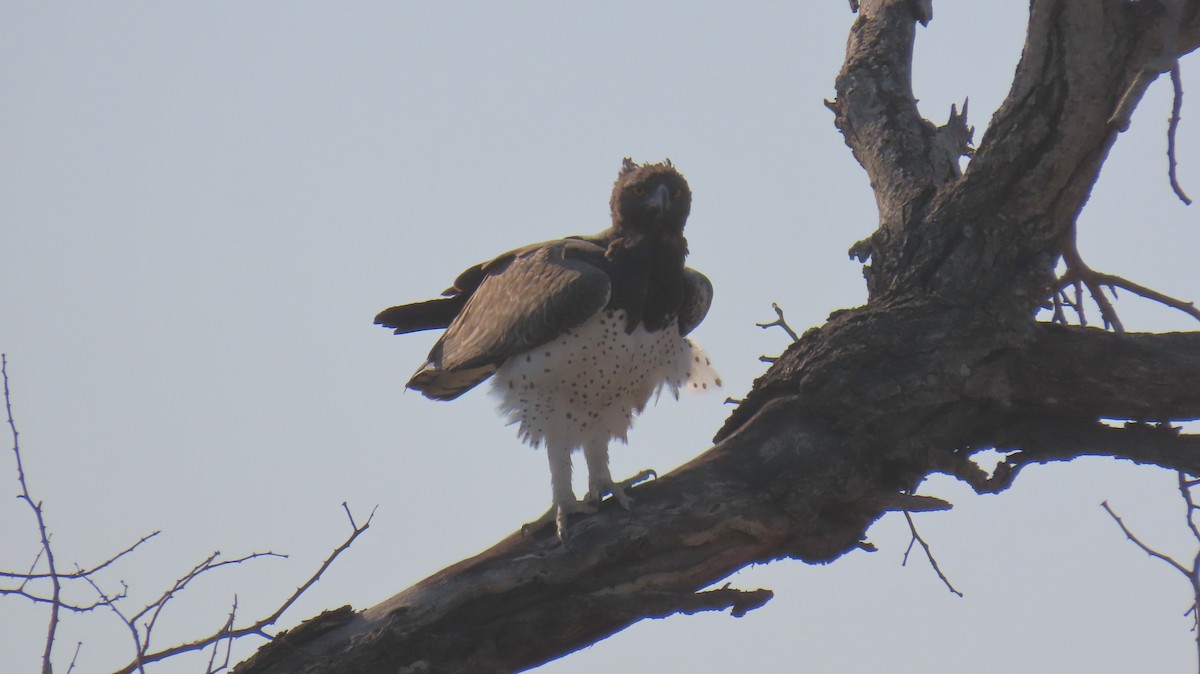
<point>523,300</point>
<point>439,313</point>
<point>697,297</point>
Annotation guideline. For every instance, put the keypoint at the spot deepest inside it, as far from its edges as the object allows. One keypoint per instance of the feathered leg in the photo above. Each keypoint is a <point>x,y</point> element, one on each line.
<point>564,501</point>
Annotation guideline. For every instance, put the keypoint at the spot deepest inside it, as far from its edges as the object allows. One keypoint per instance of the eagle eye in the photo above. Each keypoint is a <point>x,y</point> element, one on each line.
<point>678,193</point>
<point>639,190</point>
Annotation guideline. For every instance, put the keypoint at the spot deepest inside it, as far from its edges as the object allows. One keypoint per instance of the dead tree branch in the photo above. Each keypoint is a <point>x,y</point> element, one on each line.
<point>142,623</point>
<point>916,538</point>
<point>1142,546</point>
<point>36,507</point>
<point>1192,574</point>
<point>1078,273</point>
<point>1172,128</point>
<point>780,322</point>
<point>79,573</point>
<point>227,632</point>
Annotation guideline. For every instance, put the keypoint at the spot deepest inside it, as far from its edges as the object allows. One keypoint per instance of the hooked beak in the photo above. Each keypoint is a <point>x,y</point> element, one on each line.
<point>659,200</point>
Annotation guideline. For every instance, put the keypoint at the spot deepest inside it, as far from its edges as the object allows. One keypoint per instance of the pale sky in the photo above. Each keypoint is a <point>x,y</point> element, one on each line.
<point>203,205</point>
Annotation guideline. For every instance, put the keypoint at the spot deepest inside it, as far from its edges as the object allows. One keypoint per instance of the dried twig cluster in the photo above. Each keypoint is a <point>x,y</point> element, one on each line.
<point>1068,294</point>
<point>45,582</point>
<point>1192,572</point>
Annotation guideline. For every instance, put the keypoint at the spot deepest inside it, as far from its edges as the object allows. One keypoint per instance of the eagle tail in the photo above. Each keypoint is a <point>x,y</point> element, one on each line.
<point>438,384</point>
<point>434,314</point>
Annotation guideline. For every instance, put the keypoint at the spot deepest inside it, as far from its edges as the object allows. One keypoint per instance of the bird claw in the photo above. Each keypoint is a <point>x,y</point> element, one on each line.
<point>559,512</point>
<point>597,491</point>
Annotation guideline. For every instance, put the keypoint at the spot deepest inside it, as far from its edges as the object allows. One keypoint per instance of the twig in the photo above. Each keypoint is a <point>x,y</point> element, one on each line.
<point>71,667</point>
<point>1079,274</point>
<point>1172,126</point>
<point>780,322</point>
<point>131,625</point>
<point>228,642</point>
<point>75,608</point>
<point>916,538</point>
<point>36,507</point>
<point>155,609</point>
<point>1192,574</point>
<point>1112,282</point>
<point>1185,491</point>
<point>1145,548</point>
<point>80,573</point>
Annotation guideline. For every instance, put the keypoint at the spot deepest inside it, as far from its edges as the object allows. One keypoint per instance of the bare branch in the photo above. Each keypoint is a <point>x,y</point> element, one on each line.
<point>155,608</point>
<point>74,657</point>
<point>36,507</point>
<point>1078,272</point>
<point>1172,127</point>
<point>916,538</point>
<point>227,632</point>
<point>139,648</point>
<point>80,573</point>
<point>64,605</point>
<point>357,531</point>
<point>1186,492</point>
<point>228,643</point>
<point>1145,548</point>
<point>779,322</point>
<point>1192,574</point>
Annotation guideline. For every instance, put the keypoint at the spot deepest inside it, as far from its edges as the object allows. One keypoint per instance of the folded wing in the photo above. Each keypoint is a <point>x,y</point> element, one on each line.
<point>520,303</point>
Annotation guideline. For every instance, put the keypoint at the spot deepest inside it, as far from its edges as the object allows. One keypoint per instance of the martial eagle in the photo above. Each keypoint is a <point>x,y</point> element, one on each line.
<point>577,334</point>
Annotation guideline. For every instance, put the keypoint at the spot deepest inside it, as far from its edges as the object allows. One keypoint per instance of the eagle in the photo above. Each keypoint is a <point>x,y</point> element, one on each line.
<point>576,334</point>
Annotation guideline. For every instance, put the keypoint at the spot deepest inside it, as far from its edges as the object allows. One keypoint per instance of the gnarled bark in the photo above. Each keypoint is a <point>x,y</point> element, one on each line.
<point>944,360</point>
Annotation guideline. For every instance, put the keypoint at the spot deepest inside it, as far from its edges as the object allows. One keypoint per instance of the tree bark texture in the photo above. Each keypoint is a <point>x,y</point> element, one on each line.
<point>944,360</point>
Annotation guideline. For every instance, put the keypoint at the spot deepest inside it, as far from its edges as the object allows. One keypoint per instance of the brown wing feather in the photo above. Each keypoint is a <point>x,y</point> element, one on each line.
<point>697,297</point>
<point>439,313</point>
<point>421,315</point>
<point>540,293</point>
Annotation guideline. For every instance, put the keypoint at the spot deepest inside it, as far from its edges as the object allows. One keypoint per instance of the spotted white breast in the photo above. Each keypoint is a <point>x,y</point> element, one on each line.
<point>587,385</point>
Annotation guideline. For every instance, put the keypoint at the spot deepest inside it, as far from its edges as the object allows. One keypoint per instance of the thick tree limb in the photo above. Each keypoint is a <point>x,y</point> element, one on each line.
<point>788,483</point>
<point>1035,441</point>
<point>877,112</point>
<point>1090,373</point>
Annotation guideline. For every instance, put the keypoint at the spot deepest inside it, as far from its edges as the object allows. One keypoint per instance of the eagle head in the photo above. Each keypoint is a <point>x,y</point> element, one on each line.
<point>650,201</point>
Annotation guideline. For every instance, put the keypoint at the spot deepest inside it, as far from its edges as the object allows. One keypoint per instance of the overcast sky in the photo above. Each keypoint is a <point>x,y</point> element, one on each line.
<point>203,205</point>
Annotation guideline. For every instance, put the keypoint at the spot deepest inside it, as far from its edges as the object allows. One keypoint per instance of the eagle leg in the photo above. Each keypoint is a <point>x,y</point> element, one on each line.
<point>565,503</point>
<point>600,480</point>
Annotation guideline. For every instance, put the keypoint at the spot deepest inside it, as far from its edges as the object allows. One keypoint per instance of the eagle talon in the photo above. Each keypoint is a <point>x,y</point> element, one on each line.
<point>604,487</point>
<point>644,476</point>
